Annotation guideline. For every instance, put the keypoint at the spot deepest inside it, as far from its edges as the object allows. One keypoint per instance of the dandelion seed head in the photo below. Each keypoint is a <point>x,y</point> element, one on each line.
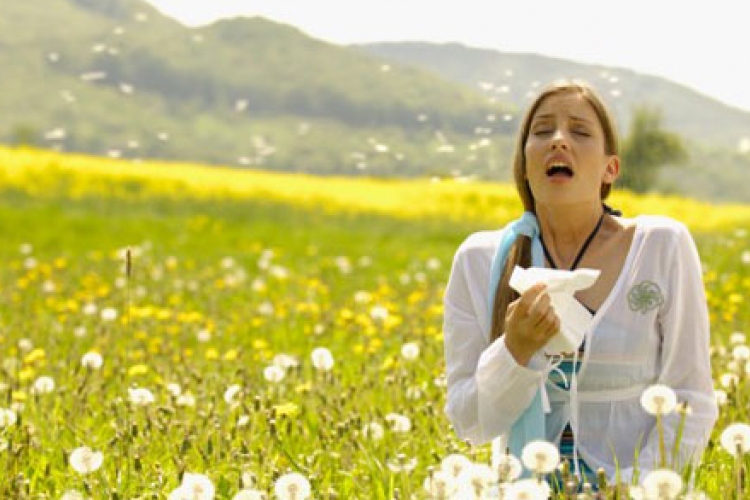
<point>736,438</point>
<point>194,487</point>
<point>285,361</point>
<point>528,489</point>
<point>540,456</point>
<point>322,359</point>
<point>729,380</point>
<point>508,468</point>
<point>25,345</point>
<point>659,399</point>
<point>454,464</point>
<point>92,360</point>
<point>44,385</point>
<point>410,351</point>
<point>232,392</point>
<point>185,399</point>
<point>741,352</point>
<point>109,314</point>
<point>84,460</point>
<point>362,297</point>
<point>379,313</point>
<point>373,430</point>
<point>720,396</point>
<point>292,486</point>
<point>737,338</point>
<point>140,396</point>
<point>663,484</point>
<point>401,463</point>
<point>7,417</point>
<point>274,374</point>
<point>398,423</point>
<point>440,485</point>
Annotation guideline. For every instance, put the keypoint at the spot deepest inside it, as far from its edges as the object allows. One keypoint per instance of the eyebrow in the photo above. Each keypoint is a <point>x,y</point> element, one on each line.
<point>550,115</point>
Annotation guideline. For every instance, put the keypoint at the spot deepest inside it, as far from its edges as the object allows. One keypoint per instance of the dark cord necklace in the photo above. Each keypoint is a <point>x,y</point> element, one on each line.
<point>580,252</point>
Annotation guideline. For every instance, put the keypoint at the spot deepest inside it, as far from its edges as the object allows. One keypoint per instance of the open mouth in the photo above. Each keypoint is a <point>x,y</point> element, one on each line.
<point>559,170</point>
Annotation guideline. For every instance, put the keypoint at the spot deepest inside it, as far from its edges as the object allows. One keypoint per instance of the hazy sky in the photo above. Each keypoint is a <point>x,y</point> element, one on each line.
<point>702,44</point>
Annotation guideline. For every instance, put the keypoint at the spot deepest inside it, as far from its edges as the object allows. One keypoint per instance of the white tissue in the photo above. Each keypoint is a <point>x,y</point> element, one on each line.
<point>561,285</point>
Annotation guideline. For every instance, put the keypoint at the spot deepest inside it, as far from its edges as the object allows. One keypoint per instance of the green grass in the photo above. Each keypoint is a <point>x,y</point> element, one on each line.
<point>181,284</point>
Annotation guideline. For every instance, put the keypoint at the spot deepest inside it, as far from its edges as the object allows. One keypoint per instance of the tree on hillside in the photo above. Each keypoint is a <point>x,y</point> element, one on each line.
<point>647,148</point>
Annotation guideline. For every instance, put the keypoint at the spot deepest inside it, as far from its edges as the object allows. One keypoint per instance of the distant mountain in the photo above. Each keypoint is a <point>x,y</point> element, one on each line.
<point>717,135</point>
<point>117,78</point>
<point>511,77</point>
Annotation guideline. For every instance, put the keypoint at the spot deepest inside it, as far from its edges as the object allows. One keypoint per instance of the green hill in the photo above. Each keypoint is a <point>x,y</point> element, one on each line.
<point>117,78</point>
<point>714,132</point>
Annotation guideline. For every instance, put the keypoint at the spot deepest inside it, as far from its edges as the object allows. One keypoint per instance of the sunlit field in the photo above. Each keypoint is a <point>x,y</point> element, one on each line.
<point>243,326</point>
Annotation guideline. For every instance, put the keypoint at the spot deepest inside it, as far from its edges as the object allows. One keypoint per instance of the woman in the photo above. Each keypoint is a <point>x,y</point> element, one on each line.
<point>649,321</point>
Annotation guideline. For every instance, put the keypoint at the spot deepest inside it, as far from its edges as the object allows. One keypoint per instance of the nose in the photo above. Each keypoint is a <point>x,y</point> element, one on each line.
<point>559,140</point>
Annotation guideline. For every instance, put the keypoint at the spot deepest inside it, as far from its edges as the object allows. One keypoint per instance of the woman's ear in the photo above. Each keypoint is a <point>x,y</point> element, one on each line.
<point>612,170</point>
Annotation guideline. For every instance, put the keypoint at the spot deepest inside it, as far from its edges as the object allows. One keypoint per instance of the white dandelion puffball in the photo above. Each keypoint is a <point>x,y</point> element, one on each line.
<point>373,431</point>
<point>741,352</point>
<point>174,389</point>
<point>141,396</point>
<point>399,423</point>
<point>44,385</point>
<point>440,485</point>
<point>540,456</point>
<point>285,361</point>
<point>508,467</point>
<point>292,486</point>
<point>248,495</point>
<point>231,393</point>
<point>736,439</point>
<point>7,417</point>
<point>729,380</point>
<point>454,464</point>
<point>274,374</point>
<point>92,360</point>
<point>85,460</point>
<point>659,399</point>
<point>194,487</point>
<point>322,359</point>
<point>185,399</point>
<point>737,338</point>
<point>109,314</point>
<point>528,489</point>
<point>662,484</point>
<point>379,313</point>
<point>720,396</point>
<point>477,477</point>
<point>410,351</point>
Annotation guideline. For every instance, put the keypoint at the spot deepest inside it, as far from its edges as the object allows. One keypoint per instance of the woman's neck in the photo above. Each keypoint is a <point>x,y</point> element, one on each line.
<point>565,229</point>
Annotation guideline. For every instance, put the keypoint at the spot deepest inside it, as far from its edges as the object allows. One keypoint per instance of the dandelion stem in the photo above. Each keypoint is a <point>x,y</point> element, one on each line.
<point>662,446</point>
<point>683,411</point>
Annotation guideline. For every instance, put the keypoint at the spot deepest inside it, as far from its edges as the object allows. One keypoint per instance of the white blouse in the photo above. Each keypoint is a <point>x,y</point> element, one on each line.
<point>652,328</point>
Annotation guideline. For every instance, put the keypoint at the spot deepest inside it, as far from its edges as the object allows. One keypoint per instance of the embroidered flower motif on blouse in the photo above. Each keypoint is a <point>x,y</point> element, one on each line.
<point>645,296</point>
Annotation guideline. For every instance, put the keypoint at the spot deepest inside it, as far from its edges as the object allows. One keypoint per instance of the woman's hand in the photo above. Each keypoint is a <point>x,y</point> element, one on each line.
<point>529,323</point>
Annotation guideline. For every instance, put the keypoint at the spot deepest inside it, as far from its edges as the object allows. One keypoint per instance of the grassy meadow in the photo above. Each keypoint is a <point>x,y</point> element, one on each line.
<point>210,333</point>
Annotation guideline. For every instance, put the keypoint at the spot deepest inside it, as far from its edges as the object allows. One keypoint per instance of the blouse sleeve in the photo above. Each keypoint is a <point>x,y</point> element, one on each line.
<point>684,358</point>
<point>487,388</point>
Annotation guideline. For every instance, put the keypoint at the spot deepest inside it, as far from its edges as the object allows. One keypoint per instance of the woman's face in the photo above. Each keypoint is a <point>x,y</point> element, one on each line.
<point>566,162</point>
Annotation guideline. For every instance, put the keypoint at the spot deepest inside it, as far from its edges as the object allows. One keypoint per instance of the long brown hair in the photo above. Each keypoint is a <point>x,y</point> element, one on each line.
<point>520,251</point>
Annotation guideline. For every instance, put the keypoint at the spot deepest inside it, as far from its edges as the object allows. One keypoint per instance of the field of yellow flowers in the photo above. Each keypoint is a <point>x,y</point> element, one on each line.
<point>176,331</point>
